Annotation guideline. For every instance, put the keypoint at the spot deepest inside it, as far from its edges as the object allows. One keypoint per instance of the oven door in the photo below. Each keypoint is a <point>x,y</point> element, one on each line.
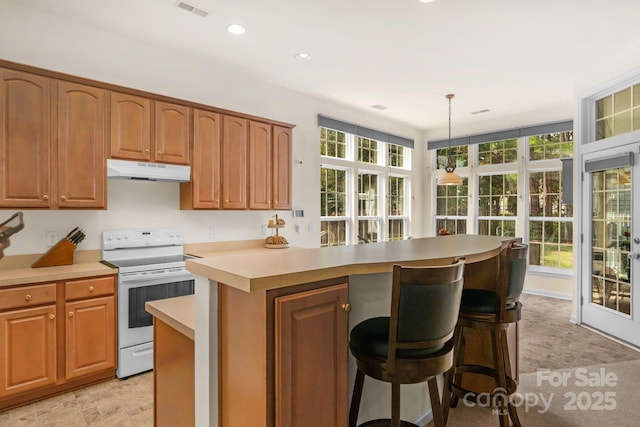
<point>135,324</point>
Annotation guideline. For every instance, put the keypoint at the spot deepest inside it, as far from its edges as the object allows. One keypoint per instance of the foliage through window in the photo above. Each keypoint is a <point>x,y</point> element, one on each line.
<point>459,156</point>
<point>397,156</point>
<point>551,146</point>
<point>367,150</point>
<point>618,113</point>
<point>333,143</point>
<point>452,208</point>
<point>498,152</point>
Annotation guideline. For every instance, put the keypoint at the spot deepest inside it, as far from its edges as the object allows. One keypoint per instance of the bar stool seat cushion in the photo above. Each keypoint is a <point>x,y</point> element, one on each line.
<point>371,337</point>
<point>480,301</point>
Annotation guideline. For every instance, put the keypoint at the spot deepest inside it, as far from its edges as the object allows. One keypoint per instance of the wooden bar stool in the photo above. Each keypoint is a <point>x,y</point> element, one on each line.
<point>494,311</point>
<point>414,344</point>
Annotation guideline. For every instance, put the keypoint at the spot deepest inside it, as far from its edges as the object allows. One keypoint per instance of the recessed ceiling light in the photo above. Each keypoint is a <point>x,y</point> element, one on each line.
<point>303,56</point>
<point>426,1</point>
<point>236,29</point>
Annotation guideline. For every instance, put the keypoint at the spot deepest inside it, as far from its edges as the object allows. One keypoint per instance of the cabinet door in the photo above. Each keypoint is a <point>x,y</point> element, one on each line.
<point>90,336</point>
<point>259,165</point>
<point>172,133</point>
<point>27,349</point>
<point>282,147</point>
<point>203,191</point>
<point>234,167</point>
<point>130,127</point>
<point>81,150</point>
<point>25,137</point>
<point>312,330</point>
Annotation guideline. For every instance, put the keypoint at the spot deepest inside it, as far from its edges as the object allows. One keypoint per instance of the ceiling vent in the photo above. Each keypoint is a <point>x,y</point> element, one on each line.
<point>190,8</point>
<point>379,107</point>
<point>486,110</point>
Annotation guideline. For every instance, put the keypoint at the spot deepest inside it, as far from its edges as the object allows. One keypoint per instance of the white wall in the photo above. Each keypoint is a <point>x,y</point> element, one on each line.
<point>49,42</point>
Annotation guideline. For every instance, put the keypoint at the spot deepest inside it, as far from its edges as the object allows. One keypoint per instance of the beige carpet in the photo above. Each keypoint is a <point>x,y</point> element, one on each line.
<point>599,395</point>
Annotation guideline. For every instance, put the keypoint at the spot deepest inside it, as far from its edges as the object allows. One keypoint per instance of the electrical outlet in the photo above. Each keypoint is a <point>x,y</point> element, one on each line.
<point>212,232</point>
<point>264,229</point>
<point>52,237</point>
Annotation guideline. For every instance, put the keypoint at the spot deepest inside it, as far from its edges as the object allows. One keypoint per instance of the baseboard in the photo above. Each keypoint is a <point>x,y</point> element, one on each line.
<point>424,419</point>
<point>550,294</point>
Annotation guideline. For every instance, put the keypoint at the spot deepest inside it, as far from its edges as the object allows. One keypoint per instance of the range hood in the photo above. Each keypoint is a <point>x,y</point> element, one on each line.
<point>127,169</point>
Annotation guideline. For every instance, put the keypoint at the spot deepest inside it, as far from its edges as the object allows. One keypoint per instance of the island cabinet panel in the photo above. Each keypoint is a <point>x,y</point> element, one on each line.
<point>172,133</point>
<point>25,140</point>
<point>235,140</point>
<point>281,193</point>
<point>173,377</point>
<point>203,191</point>
<point>81,146</point>
<point>27,349</point>
<point>311,358</point>
<point>259,165</point>
<point>261,333</point>
<point>130,127</point>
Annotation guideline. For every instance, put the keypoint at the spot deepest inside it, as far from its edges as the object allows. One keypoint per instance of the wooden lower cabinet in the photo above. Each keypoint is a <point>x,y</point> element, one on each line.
<point>261,333</point>
<point>311,358</point>
<point>27,349</point>
<point>90,336</point>
<point>56,337</point>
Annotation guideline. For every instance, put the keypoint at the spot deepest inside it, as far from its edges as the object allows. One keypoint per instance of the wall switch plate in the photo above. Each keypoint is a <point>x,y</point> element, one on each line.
<point>264,229</point>
<point>212,231</point>
<point>311,227</point>
<point>297,228</point>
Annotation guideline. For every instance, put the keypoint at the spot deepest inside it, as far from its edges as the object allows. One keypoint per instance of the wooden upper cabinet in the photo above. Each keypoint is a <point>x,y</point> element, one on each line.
<point>25,140</point>
<point>203,191</point>
<point>235,135</point>
<point>282,148</point>
<point>81,146</point>
<point>130,127</point>
<point>259,165</point>
<point>171,133</point>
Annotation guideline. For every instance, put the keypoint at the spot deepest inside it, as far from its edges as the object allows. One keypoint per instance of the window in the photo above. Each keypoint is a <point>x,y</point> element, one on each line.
<point>498,152</point>
<point>377,209</point>
<point>550,222</point>
<point>498,204</point>
<point>333,205</point>
<point>368,198</point>
<point>618,113</point>
<point>452,208</point>
<point>459,157</point>
<point>397,208</point>
<point>512,187</point>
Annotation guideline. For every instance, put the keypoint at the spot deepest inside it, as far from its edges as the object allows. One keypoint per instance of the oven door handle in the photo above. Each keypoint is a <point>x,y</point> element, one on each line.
<point>165,276</point>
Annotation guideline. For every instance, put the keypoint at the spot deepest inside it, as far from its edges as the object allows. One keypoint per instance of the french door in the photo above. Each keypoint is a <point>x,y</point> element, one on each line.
<point>611,245</point>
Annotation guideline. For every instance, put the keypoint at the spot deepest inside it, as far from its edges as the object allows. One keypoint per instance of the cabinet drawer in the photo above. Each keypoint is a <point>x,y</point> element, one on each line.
<point>27,296</point>
<point>86,288</point>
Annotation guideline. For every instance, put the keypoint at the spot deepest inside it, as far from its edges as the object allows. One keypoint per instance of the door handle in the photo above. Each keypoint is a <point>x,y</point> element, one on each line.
<point>633,255</point>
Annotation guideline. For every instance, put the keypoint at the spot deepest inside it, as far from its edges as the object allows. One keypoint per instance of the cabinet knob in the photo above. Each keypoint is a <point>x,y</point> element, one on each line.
<point>63,198</point>
<point>346,307</point>
<point>45,197</point>
<point>52,316</point>
<point>91,289</point>
<point>27,297</point>
<point>159,153</point>
<point>146,150</point>
<point>71,314</point>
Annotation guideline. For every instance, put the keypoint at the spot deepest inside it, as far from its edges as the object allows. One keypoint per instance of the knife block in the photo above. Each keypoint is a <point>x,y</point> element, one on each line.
<point>60,254</point>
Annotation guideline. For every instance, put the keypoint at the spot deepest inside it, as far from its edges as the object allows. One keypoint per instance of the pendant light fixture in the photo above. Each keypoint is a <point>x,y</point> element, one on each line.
<point>449,177</point>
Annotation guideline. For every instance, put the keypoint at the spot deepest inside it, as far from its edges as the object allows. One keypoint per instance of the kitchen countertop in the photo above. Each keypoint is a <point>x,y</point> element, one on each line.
<point>16,270</point>
<point>255,270</point>
<point>176,312</point>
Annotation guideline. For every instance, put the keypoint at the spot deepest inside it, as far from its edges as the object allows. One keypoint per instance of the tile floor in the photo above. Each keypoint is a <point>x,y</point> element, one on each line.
<point>115,403</point>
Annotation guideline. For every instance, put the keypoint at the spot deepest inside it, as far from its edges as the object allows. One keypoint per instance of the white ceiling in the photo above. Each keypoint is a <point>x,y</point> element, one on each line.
<point>509,56</point>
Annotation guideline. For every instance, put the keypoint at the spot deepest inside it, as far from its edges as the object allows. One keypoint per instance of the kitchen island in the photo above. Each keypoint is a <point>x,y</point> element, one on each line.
<point>271,327</point>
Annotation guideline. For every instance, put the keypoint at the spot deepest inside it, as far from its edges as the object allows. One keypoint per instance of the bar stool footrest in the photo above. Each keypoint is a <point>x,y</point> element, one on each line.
<point>471,395</point>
